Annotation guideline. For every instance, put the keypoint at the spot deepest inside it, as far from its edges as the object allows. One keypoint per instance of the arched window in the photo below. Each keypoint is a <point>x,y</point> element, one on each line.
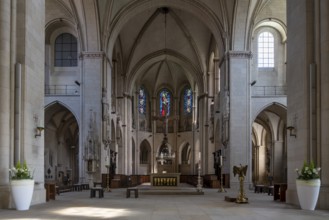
<point>265,50</point>
<point>66,50</point>
<point>188,100</point>
<point>165,100</point>
<point>142,101</point>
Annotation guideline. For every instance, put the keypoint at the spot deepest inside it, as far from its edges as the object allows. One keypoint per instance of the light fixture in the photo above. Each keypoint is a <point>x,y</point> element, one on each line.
<point>292,131</point>
<point>38,131</point>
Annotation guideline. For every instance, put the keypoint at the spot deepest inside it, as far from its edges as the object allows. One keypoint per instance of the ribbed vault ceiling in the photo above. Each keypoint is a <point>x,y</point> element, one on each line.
<point>165,32</point>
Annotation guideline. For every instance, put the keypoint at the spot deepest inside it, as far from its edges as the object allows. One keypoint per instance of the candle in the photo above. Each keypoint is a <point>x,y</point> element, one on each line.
<point>221,160</point>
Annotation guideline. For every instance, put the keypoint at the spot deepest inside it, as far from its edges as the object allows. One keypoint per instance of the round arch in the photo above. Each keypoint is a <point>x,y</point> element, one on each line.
<point>275,24</point>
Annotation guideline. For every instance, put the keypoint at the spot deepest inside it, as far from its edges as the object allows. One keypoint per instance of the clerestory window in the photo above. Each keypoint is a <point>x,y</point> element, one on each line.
<point>142,101</point>
<point>265,50</point>
<point>165,102</point>
<point>66,51</point>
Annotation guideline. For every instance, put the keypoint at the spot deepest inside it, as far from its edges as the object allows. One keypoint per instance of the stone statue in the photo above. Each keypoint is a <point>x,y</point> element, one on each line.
<point>241,171</point>
<point>105,105</point>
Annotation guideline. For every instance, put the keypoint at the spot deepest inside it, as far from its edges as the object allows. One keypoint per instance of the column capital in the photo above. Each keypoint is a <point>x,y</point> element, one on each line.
<point>92,55</point>
<point>234,54</point>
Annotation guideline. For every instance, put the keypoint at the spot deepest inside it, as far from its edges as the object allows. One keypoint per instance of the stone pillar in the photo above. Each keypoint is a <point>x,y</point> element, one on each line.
<point>216,76</point>
<point>5,33</point>
<point>20,20</point>
<point>203,128</point>
<point>176,130</point>
<point>323,79</point>
<point>126,164</point>
<point>224,113</point>
<point>278,167</point>
<point>5,134</point>
<point>194,129</point>
<point>154,124</point>
<point>239,109</point>
<point>91,105</point>
<point>256,164</point>
<point>137,129</point>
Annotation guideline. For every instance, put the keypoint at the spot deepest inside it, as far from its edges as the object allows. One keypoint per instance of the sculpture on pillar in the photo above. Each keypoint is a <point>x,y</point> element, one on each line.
<point>105,105</point>
<point>241,171</point>
<point>105,118</point>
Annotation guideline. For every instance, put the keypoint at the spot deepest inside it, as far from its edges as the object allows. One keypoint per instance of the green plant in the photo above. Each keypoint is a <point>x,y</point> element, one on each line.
<point>308,172</point>
<point>20,172</point>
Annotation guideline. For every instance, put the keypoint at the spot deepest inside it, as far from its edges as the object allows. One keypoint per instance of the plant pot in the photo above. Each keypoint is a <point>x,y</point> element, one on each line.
<point>22,191</point>
<point>308,193</point>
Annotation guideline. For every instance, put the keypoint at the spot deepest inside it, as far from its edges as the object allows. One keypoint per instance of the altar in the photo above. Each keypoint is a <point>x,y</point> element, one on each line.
<point>165,179</point>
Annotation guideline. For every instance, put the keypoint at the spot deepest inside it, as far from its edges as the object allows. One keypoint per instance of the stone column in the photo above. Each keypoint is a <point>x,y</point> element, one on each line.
<point>91,104</point>
<point>176,130</point>
<point>194,130</point>
<point>5,42</point>
<point>323,120</point>
<point>154,130</point>
<point>277,157</point>
<point>136,160</point>
<point>239,110</point>
<point>224,112</point>
<point>256,164</point>
<point>216,76</point>
<point>126,165</point>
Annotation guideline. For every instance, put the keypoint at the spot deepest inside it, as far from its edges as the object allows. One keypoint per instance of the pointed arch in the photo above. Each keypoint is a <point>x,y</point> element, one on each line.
<point>61,161</point>
<point>145,157</point>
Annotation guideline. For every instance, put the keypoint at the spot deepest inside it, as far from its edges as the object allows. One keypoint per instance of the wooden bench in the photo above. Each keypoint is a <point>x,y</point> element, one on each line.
<point>134,189</point>
<point>93,191</point>
<point>270,190</point>
<point>62,189</point>
<point>77,187</point>
<point>50,191</point>
<point>259,188</point>
<point>279,191</point>
<point>85,186</point>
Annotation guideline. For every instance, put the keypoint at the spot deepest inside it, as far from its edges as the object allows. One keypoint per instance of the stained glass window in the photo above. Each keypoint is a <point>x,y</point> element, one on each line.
<point>266,50</point>
<point>66,50</point>
<point>188,100</point>
<point>165,102</point>
<point>142,101</point>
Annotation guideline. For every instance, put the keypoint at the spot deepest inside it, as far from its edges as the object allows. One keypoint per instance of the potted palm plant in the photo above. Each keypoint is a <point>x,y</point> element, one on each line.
<point>22,185</point>
<point>308,185</point>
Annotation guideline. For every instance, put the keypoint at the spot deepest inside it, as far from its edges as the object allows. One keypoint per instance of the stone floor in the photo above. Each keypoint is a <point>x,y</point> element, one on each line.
<point>115,205</point>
